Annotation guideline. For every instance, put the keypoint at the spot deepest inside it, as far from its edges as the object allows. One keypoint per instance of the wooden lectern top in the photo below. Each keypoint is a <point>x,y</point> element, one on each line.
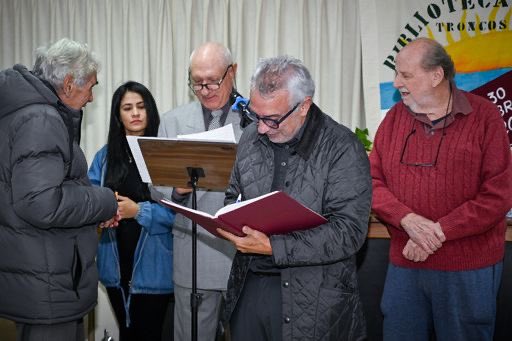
<point>167,162</point>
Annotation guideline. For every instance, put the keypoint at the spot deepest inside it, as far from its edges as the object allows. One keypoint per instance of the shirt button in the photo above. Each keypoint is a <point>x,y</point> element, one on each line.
<point>283,164</point>
<point>287,183</point>
<point>286,319</point>
<point>286,284</point>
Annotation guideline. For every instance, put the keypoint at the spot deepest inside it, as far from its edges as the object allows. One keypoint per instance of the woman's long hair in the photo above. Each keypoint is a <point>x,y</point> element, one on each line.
<point>118,152</point>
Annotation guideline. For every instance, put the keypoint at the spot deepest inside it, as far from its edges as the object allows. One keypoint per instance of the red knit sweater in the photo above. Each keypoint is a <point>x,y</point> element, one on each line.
<point>468,192</point>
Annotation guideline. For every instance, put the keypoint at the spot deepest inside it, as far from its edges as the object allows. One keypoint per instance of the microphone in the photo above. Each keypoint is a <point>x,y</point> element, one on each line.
<point>241,104</point>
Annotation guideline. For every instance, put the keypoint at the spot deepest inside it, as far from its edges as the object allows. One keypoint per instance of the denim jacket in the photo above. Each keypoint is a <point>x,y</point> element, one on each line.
<point>152,269</point>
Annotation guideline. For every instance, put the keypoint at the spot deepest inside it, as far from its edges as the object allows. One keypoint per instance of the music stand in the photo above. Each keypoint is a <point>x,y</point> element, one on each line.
<point>175,163</point>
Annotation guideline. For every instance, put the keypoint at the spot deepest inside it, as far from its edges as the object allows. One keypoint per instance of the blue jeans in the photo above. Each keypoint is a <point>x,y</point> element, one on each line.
<point>455,305</point>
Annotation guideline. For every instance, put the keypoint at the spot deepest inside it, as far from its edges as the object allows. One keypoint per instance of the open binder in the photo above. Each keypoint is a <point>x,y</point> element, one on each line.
<point>272,213</point>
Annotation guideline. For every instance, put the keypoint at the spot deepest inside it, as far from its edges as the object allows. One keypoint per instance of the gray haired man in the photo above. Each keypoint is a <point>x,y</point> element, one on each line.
<point>49,215</point>
<point>300,285</point>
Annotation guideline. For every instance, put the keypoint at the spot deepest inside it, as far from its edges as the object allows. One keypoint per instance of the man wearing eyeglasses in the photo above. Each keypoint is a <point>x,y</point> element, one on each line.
<point>212,79</point>
<point>300,285</point>
<point>442,183</point>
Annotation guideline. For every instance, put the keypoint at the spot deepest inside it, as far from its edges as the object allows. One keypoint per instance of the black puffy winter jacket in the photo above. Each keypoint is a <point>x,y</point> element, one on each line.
<point>48,210</point>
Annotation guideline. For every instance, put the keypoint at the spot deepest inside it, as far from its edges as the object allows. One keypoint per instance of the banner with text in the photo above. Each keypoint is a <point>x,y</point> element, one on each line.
<point>476,33</point>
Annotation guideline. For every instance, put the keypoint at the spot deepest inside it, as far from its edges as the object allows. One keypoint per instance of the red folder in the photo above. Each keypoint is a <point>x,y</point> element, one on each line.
<point>273,213</point>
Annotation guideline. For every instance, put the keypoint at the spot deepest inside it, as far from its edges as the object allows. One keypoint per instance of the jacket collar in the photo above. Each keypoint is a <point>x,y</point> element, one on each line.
<point>315,121</point>
<point>72,117</point>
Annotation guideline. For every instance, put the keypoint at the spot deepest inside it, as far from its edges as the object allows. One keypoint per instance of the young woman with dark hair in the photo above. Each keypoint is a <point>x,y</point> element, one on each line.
<point>134,259</point>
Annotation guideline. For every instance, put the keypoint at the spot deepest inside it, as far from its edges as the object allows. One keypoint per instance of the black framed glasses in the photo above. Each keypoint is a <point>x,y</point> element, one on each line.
<point>269,122</point>
<point>209,86</point>
<point>422,164</point>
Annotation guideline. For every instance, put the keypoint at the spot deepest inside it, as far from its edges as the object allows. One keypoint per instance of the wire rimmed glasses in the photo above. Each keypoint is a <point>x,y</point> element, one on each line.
<point>422,164</point>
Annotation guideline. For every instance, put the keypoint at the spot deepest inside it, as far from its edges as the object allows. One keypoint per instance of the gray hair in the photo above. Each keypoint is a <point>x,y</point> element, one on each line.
<point>435,55</point>
<point>40,55</point>
<point>65,57</point>
<point>283,73</point>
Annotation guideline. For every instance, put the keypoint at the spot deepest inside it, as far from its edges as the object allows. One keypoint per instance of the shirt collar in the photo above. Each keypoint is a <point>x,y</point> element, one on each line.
<point>460,105</point>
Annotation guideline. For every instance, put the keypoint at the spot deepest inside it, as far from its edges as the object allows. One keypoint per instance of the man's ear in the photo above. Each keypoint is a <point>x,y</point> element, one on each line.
<point>234,67</point>
<point>68,84</point>
<point>437,76</point>
<point>306,104</point>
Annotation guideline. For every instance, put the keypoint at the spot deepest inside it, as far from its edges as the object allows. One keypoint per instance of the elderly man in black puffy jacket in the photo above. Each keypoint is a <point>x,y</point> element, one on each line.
<point>49,211</point>
<point>301,285</point>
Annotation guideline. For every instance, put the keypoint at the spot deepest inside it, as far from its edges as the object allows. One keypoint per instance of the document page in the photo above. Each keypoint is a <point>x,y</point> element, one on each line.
<point>139,160</point>
<point>239,204</point>
<point>222,134</point>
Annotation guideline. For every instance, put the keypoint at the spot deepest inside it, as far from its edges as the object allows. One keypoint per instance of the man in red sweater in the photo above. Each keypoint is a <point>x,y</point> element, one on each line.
<point>442,183</point>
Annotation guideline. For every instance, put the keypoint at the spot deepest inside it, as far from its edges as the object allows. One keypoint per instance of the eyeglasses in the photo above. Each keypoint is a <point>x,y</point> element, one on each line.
<point>422,164</point>
<point>196,87</point>
<point>269,122</point>
<point>427,164</point>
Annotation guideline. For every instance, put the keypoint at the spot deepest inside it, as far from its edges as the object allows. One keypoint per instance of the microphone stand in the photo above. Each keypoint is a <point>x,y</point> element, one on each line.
<point>195,297</point>
<point>195,173</point>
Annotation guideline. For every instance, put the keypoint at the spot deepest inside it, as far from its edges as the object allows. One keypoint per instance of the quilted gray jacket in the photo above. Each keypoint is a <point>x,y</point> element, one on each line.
<point>48,209</point>
<point>329,173</point>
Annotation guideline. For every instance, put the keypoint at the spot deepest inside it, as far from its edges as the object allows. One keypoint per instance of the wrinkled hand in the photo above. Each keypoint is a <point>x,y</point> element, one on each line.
<point>424,232</point>
<point>183,191</point>
<point>253,242</point>
<point>414,252</point>
<point>127,207</point>
<point>112,222</point>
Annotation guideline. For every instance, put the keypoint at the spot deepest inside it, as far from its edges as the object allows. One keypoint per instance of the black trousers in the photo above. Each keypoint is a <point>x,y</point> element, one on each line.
<point>73,330</point>
<point>147,314</point>
<point>257,315</point>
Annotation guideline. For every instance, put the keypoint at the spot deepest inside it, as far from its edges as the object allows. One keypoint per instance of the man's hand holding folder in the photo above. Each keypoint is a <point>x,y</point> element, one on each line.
<point>254,241</point>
